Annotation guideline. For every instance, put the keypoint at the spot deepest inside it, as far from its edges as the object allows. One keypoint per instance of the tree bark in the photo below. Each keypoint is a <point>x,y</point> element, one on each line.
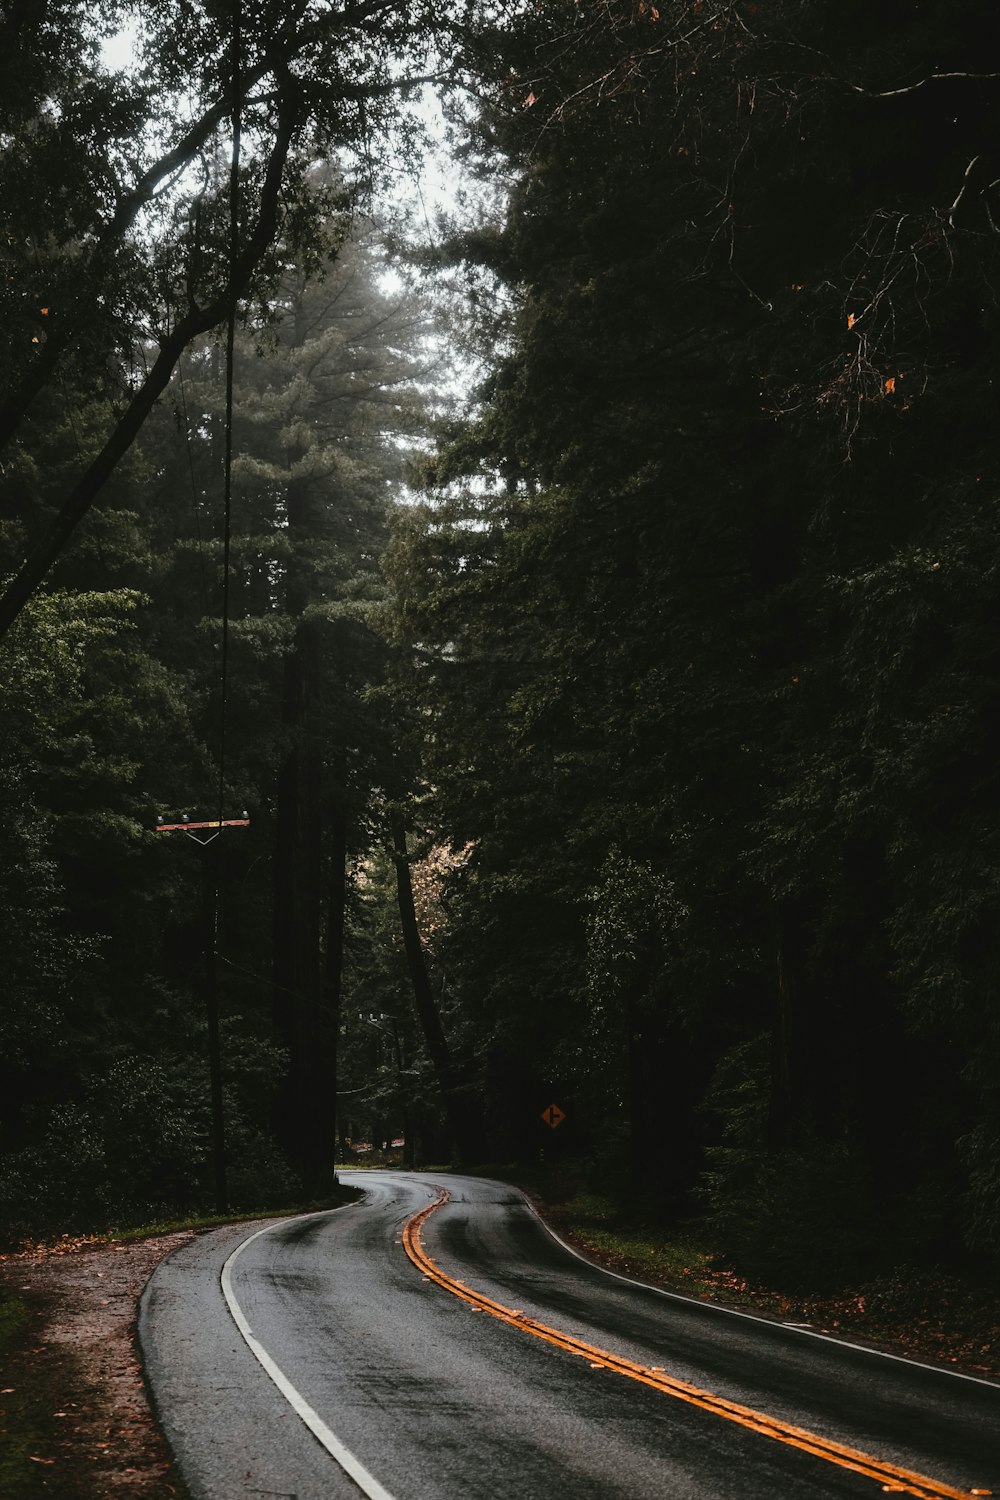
<point>789,1044</point>
<point>211,858</point>
<point>306,991</point>
<point>336,912</point>
<point>462,1108</point>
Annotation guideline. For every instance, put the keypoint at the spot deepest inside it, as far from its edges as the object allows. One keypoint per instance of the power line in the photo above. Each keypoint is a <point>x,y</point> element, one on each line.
<point>214,865</point>
<point>234,245</point>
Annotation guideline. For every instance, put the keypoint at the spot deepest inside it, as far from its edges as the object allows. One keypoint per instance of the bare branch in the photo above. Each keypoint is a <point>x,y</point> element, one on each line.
<point>198,320</point>
<point>911,88</point>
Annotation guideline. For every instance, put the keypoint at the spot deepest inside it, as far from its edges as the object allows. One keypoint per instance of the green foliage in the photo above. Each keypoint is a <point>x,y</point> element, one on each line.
<point>699,604</point>
<point>634,928</point>
<point>802,1219</point>
<point>979,1155</point>
<point>134,1145</point>
<point>690,643</point>
<point>112,714</point>
<point>805,1218</point>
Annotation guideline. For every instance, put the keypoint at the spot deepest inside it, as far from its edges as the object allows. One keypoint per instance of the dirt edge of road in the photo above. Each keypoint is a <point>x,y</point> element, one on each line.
<point>75,1411</point>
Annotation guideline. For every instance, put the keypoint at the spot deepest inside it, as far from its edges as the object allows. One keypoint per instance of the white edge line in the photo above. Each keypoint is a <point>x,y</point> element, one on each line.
<point>716,1307</point>
<point>336,1449</point>
<point>735,1312</point>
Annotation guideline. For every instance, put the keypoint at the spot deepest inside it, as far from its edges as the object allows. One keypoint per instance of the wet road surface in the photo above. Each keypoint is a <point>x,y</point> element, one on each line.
<point>314,1358</point>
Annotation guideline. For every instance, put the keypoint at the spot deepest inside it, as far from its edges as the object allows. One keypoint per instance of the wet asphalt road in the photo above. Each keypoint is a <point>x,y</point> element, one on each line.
<point>435,1401</point>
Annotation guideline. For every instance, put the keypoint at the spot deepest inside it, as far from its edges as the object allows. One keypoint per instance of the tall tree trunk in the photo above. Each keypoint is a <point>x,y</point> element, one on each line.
<point>211,860</point>
<point>336,912</point>
<point>463,1108</point>
<point>305,1122</point>
<point>639,1131</point>
<point>788,1107</point>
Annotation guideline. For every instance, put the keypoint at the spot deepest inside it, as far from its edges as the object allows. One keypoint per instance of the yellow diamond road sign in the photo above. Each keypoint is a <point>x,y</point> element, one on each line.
<point>553,1115</point>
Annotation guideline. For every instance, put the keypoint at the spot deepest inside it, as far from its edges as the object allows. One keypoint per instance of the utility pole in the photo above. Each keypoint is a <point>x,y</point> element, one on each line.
<point>205,834</point>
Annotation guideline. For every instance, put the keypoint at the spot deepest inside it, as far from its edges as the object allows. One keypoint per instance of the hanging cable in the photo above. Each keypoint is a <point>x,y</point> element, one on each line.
<point>213,865</point>
<point>195,508</point>
<point>234,245</point>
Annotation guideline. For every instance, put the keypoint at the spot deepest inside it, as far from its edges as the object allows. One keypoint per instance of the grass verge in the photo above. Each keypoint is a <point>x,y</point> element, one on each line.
<point>129,1234</point>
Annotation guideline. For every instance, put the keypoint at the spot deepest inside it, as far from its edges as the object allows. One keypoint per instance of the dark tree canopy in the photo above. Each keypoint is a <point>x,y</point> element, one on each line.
<point>632,743</point>
<point>142,207</point>
<point>696,617</point>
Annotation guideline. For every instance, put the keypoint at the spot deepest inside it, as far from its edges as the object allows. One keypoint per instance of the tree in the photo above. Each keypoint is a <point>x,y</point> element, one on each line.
<point>77,1136</point>
<point>322,423</point>
<point>160,242</point>
<point>458,1093</point>
<point>322,426</point>
<point>687,538</point>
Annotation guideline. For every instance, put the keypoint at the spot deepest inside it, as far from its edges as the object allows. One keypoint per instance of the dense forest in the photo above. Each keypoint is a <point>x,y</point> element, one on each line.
<point>577,607</point>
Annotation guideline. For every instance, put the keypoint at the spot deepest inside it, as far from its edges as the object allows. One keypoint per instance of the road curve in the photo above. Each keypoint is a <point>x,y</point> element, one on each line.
<point>435,1342</point>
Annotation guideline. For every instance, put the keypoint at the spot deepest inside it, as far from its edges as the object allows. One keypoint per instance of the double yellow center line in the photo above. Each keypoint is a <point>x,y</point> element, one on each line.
<point>891,1478</point>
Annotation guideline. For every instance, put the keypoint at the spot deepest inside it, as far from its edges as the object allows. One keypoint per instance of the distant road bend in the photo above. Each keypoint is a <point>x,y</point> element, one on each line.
<point>436,1342</point>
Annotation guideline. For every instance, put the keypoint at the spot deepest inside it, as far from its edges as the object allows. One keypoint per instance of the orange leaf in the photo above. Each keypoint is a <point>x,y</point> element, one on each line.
<point>851,320</point>
<point>890,385</point>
